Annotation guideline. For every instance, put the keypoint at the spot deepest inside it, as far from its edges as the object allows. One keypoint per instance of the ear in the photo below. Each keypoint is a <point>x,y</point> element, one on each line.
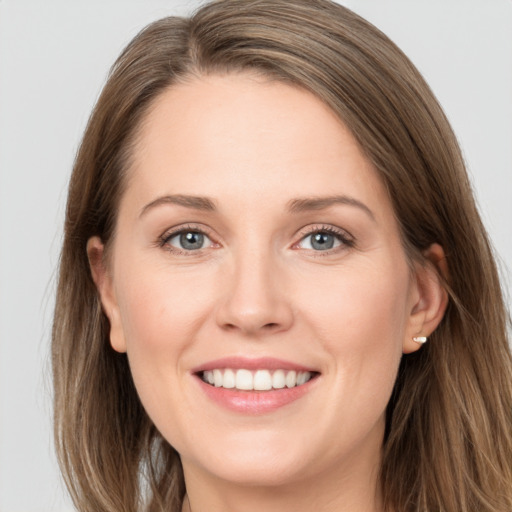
<point>430,297</point>
<point>104,284</point>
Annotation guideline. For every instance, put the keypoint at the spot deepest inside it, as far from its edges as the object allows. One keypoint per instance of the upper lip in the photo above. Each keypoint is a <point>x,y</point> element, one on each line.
<point>247,363</point>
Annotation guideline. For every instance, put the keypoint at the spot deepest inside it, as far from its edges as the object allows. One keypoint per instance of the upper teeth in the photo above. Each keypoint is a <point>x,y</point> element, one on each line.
<point>260,380</point>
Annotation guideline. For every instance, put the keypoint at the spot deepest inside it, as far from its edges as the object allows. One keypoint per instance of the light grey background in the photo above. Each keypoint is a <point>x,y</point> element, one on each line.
<point>54,56</point>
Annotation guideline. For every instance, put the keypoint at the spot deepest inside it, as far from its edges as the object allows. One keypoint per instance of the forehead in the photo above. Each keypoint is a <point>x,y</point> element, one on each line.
<point>248,138</point>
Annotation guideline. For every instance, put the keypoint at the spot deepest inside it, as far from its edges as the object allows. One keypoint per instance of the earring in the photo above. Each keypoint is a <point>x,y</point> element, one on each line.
<point>420,339</point>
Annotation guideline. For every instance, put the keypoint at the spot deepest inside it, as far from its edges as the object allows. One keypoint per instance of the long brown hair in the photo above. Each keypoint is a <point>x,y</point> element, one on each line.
<point>448,444</point>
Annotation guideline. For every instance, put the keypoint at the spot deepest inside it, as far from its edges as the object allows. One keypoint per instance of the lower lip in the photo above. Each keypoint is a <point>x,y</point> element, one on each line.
<point>255,402</point>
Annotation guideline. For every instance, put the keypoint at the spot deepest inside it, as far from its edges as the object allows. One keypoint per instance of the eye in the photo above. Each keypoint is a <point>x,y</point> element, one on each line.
<point>320,241</point>
<point>325,239</point>
<point>187,240</point>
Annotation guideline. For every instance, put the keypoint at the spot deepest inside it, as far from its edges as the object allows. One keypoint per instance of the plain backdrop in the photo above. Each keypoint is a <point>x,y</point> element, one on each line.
<point>54,57</point>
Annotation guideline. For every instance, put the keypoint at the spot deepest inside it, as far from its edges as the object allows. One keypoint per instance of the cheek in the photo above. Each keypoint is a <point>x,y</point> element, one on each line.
<point>359,315</point>
<point>161,317</point>
<point>161,307</point>
<point>357,299</point>
<point>164,311</point>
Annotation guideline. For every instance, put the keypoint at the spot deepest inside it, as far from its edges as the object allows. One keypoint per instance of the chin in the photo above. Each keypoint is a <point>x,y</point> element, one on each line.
<point>263,472</point>
<point>252,458</point>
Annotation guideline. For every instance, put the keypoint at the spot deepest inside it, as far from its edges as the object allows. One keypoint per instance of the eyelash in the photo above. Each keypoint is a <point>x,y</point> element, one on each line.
<point>346,240</point>
<point>163,240</point>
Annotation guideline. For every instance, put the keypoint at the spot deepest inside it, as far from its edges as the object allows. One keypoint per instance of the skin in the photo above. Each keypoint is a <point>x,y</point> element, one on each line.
<point>258,288</point>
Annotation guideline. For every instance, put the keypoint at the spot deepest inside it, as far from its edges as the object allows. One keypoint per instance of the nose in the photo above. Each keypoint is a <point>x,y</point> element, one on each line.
<point>255,300</point>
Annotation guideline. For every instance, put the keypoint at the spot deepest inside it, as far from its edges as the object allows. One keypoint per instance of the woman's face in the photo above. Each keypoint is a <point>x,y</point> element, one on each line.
<point>256,247</point>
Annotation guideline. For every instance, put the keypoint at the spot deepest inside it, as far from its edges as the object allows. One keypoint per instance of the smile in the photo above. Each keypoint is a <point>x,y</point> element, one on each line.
<point>254,386</point>
<point>259,380</point>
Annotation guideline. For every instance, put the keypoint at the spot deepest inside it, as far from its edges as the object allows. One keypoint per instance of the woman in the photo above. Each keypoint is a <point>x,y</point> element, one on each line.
<point>275,289</point>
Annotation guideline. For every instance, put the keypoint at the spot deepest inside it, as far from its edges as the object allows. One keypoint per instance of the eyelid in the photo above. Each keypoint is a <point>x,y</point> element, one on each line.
<point>347,239</point>
<point>170,233</point>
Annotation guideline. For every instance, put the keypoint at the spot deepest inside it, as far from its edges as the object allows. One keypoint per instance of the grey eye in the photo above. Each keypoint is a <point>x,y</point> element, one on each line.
<point>320,241</point>
<point>188,240</point>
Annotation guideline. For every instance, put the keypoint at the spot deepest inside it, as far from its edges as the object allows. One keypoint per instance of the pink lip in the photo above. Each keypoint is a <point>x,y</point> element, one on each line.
<point>260,363</point>
<point>253,402</point>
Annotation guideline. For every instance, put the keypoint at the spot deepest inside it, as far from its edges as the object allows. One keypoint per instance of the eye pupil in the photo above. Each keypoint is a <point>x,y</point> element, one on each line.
<point>322,241</point>
<point>191,240</point>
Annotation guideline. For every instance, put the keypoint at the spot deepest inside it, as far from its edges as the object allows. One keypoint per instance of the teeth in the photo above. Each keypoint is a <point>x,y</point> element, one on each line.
<point>291,379</point>
<point>218,379</point>
<point>260,380</point>
<point>279,379</point>
<point>229,379</point>
<point>243,380</point>
<point>301,378</point>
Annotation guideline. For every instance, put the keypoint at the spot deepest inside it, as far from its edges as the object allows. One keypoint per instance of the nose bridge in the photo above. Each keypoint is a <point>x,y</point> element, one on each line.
<point>255,299</point>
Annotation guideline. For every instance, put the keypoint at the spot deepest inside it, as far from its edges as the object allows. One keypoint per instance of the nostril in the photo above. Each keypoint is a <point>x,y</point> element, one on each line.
<point>271,326</point>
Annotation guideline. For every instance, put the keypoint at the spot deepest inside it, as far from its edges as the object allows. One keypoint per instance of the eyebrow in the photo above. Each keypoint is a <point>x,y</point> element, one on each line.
<point>321,203</point>
<point>193,202</point>
<point>298,205</point>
